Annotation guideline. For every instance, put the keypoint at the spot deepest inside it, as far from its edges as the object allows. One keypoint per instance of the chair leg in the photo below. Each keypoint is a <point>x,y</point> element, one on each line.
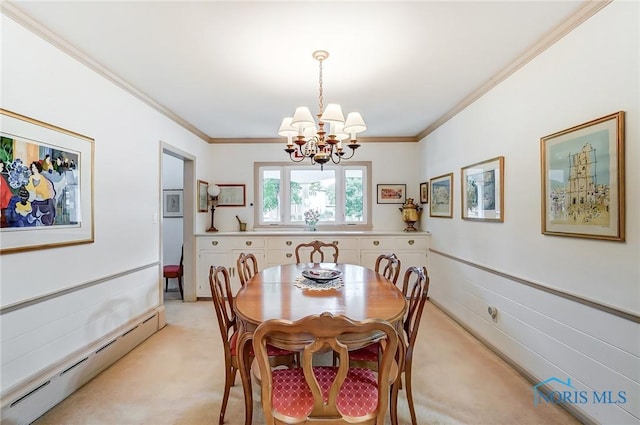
<point>244,362</point>
<point>166,284</point>
<point>180,287</point>
<point>407,380</point>
<point>229,377</point>
<point>393,408</point>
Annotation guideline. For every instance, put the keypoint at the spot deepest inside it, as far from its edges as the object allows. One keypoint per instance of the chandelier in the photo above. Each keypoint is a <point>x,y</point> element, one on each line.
<point>313,142</point>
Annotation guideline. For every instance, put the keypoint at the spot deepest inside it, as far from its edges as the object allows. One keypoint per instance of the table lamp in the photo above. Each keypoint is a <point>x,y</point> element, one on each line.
<point>213,191</point>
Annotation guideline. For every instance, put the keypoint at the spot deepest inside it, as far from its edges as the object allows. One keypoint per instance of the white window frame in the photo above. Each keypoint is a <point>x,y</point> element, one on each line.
<point>285,208</point>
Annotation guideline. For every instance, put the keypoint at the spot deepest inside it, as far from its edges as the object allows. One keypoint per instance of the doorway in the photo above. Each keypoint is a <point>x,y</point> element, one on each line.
<point>177,170</point>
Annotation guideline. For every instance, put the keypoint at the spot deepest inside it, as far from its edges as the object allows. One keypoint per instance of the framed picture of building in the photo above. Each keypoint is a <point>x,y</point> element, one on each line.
<point>583,180</point>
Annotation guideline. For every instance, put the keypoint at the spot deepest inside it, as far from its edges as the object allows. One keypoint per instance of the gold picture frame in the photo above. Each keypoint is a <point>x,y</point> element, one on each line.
<point>203,196</point>
<point>441,195</point>
<point>482,190</point>
<point>47,185</point>
<point>583,180</point>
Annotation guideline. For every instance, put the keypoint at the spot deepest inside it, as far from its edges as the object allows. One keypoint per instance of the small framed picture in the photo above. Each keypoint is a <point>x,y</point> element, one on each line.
<point>392,193</point>
<point>231,195</point>
<point>583,180</point>
<point>203,197</point>
<point>441,196</point>
<point>172,203</point>
<point>424,193</point>
<point>482,190</point>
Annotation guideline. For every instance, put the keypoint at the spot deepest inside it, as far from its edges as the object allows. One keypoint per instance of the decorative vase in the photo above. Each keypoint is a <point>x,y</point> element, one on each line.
<point>410,215</point>
<point>311,227</point>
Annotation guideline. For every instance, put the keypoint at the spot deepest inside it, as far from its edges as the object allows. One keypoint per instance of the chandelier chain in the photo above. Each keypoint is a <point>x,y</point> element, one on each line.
<point>320,95</point>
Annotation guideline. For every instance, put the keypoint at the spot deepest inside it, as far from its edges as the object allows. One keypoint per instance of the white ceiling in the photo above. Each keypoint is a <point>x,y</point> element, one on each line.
<point>235,69</point>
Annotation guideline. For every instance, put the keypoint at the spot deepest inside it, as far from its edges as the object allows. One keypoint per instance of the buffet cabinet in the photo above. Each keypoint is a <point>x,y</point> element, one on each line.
<point>362,248</point>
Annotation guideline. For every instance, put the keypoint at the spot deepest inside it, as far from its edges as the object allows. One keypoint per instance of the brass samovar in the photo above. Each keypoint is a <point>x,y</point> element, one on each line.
<point>410,215</point>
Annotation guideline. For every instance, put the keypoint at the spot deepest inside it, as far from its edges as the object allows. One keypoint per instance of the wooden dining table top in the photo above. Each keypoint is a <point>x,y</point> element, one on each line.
<point>272,294</point>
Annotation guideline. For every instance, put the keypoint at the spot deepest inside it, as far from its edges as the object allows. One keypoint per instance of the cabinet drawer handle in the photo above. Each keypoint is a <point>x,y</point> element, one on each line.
<point>214,243</point>
<point>289,255</point>
<point>411,242</point>
<point>288,243</point>
<point>376,243</point>
<point>335,242</point>
<point>247,243</point>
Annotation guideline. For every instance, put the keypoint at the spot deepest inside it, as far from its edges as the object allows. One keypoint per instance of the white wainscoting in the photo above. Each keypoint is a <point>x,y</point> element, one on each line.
<point>546,335</point>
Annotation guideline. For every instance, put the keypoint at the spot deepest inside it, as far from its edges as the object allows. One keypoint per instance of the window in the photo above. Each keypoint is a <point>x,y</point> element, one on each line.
<point>339,194</point>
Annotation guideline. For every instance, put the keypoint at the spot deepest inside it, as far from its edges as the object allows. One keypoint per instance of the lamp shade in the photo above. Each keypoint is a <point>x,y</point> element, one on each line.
<point>337,129</point>
<point>286,129</point>
<point>213,190</point>
<point>354,123</point>
<point>333,113</point>
<point>302,118</point>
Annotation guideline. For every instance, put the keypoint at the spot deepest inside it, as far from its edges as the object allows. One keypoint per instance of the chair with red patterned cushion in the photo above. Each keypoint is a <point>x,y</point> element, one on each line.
<point>315,251</point>
<point>388,265</point>
<point>415,289</point>
<point>223,304</point>
<point>247,267</point>
<point>174,271</point>
<point>315,394</point>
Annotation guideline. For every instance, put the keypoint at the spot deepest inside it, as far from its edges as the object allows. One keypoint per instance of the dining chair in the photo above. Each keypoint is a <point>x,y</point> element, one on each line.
<point>415,287</point>
<point>227,323</point>
<point>316,394</point>
<point>247,267</point>
<point>174,271</point>
<point>315,248</point>
<point>388,265</point>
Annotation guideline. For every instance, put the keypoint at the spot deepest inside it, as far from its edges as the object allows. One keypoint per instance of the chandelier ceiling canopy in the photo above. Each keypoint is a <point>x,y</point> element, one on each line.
<point>306,139</point>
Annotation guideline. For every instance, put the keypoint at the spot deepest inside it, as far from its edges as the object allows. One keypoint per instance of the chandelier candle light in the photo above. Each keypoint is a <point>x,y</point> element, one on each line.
<point>313,142</point>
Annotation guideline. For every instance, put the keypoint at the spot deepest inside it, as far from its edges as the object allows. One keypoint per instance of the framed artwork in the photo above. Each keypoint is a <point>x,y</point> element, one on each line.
<point>441,196</point>
<point>583,180</point>
<point>172,203</point>
<point>203,197</point>
<point>46,185</point>
<point>392,193</point>
<point>231,195</point>
<point>482,190</point>
<point>424,193</point>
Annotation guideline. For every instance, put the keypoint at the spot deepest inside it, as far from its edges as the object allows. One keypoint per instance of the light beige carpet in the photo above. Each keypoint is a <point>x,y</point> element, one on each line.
<point>176,377</point>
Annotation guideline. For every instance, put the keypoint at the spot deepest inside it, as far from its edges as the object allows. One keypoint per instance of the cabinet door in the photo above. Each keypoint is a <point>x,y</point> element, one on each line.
<point>206,259</point>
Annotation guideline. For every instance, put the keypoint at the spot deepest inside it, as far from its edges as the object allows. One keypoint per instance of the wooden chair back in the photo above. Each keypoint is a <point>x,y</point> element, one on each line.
<point>415,288</point>
<point>223,303</point>
<point>316,250</point>
<point>247,267</point>
<point>388,265</point>
<point>323,387</point>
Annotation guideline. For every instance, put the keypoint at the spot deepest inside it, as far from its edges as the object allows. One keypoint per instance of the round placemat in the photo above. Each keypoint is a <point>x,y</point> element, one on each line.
<point>304,283</point>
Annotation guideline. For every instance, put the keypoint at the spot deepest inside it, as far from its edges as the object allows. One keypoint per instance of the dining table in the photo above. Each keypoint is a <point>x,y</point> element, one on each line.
<point>290,292</point>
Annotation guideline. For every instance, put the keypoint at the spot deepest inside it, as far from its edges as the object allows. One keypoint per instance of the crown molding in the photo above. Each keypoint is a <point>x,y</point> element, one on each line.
<point>590,8</point>
<point>11,11</point>
<point>221,140</point>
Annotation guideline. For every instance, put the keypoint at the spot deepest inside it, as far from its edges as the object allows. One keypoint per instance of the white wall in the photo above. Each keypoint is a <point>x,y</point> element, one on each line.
<point>391,164</point>
<point>172,178</point>
<point>592,72</point>
<point>42,82</point>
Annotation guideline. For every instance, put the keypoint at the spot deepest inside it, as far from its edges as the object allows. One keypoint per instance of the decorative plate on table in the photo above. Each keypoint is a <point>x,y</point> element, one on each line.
<point>321,275</point>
